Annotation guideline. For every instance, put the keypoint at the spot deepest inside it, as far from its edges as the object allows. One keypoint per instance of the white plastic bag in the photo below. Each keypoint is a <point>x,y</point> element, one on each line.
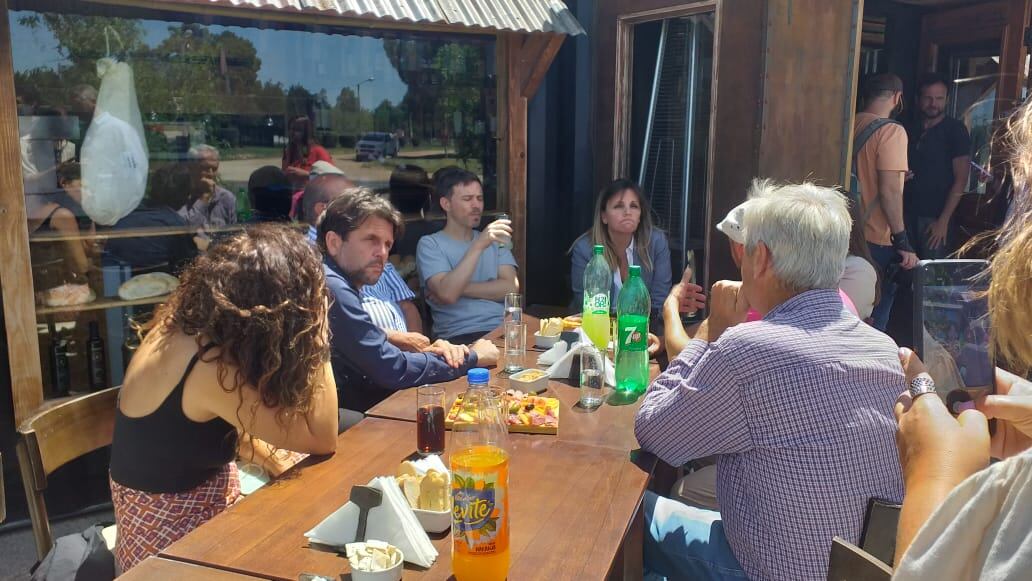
<point>114,152</point>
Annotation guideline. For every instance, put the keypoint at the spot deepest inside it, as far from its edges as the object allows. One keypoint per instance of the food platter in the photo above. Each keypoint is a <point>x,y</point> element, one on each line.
<point>528,414</point>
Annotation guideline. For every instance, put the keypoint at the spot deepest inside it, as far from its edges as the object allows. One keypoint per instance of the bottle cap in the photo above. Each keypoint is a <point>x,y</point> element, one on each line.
<point>478,375</point>
<point>634,271</point>
<point>599,249</point>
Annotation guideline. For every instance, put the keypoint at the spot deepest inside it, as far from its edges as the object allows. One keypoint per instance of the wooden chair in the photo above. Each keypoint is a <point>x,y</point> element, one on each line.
<point>63,431</point>
<point>849,562</point>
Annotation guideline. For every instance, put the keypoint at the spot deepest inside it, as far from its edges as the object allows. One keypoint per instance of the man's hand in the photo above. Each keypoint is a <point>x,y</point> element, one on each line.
<point>689,296</point>
<point>909,259</point>
<point>937,233</point>
<point>487,353</point>
<point>933,445</point>
<point>454,355</point>
<point>1011,406</point>
<point>497,232</point>
<point>728,307</point>
<point>408,341</point>
<point>654,345</point>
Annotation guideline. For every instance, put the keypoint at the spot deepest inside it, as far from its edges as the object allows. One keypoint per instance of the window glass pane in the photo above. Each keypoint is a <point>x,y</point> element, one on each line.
<point>198,125</point>
<point>975,72</point>
<point>670,102</point>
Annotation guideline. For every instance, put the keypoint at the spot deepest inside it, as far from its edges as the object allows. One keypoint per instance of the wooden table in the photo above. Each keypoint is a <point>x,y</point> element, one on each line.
<point>158,569</point>
<point>609,426</point>
<point>573,506</point>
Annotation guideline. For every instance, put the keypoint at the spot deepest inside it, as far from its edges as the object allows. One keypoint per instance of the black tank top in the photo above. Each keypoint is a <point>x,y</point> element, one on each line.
<point>165,451</point>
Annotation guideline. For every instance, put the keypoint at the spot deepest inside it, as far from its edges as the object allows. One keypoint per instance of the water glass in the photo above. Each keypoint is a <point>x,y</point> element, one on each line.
<point>507,245</point>
<point>430,419</point>
<point>513,308</point>
<point>515,345</point>
<point>592,377</point>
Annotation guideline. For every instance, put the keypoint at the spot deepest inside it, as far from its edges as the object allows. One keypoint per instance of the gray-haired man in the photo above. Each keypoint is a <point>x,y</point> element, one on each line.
<point>797,407</point>
<point>210,204</point>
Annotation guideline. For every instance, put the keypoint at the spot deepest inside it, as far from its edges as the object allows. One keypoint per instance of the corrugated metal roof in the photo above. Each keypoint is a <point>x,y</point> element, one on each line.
<point>510,15</point>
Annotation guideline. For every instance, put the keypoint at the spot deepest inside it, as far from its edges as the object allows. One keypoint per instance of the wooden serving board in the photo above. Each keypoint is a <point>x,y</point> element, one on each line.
<point>552,429</point>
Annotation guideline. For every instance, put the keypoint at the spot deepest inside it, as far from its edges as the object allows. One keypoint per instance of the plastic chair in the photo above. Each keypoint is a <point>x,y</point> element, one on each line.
<point>61,432</point>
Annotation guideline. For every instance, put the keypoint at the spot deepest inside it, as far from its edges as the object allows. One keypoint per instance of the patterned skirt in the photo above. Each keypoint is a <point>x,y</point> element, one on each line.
<point>149,522</point>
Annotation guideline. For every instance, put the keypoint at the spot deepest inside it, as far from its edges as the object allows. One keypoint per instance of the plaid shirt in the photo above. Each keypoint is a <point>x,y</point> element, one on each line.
<point>798,408</point>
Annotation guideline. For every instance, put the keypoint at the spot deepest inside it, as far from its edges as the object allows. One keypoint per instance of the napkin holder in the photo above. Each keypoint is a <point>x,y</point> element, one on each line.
<point>393,521</point>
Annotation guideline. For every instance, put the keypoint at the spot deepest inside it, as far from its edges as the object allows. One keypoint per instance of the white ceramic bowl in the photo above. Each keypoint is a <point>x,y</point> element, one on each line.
<point>544,341</point>
<point>392,574</point>
<point>433,521</point>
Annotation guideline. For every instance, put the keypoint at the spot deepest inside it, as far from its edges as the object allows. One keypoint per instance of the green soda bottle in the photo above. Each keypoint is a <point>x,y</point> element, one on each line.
<point>632,322</point>
<point>598,280</point>
<point>243,205</point>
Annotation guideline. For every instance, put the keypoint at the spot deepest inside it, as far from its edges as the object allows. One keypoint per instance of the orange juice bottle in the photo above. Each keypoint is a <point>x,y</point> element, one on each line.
<point>480,488</point>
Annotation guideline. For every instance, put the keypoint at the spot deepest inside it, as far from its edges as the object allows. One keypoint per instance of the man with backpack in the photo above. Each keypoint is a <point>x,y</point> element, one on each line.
<point>880,168</point>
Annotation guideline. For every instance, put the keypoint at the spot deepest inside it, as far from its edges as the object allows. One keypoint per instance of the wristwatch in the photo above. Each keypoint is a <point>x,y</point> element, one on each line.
<point>921,385</point>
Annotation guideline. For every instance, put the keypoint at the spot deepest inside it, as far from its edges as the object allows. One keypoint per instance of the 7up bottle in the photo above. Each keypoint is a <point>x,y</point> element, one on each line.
<point>632,323</point>
<point>598,280</point>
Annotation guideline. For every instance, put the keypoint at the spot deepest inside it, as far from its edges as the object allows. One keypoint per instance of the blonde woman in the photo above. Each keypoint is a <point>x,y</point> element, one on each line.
<point>623,224</point>
<point>960,519</point>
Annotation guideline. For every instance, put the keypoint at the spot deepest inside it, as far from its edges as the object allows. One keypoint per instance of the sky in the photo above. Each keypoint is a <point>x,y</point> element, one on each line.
<point>315,61</point>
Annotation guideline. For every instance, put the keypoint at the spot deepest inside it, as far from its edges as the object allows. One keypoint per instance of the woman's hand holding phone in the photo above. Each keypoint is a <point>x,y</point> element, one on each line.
<point>933,445</point>
<point>1011,407</point>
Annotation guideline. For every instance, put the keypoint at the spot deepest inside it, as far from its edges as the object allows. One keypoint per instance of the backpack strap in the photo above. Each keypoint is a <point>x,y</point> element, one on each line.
<point>859,141</point>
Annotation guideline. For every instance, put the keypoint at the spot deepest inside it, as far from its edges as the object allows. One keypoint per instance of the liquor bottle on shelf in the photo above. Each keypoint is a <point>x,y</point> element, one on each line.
<point>95,359</point>
<point>60,373</point>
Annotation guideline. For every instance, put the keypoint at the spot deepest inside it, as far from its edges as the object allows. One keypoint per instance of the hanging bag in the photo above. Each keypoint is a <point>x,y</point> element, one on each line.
<point>114,152</point>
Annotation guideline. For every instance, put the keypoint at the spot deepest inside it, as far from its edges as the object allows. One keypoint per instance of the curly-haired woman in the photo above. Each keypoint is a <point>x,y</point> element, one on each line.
<point>241,347</point>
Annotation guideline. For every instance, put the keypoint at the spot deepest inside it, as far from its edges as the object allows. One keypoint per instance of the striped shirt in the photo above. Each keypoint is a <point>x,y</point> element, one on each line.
<point>798,409</point>
<point>381,300</point>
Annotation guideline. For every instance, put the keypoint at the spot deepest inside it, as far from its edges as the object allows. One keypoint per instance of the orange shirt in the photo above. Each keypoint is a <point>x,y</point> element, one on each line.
<point>886,150</point>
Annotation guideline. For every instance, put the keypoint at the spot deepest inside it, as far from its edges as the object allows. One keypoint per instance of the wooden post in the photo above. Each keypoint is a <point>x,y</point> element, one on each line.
<point>526,61</point>
<point>516,148</point>
<point>15,269</point>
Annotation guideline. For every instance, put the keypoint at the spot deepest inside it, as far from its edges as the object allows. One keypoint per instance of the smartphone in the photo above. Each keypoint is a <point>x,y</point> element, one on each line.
<point>878,536</point>
<point>951,328</point>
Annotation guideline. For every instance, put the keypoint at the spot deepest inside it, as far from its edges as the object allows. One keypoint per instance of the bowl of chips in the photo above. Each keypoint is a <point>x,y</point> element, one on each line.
<point>549,333</point>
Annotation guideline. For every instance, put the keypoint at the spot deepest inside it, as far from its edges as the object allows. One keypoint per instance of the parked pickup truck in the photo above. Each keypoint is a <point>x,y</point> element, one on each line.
<point>376,145</point>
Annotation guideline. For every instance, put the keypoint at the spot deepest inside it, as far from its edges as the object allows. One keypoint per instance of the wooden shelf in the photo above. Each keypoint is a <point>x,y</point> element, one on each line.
<point>132,233</point>
<point>101,304</point>
<point>107,234</point>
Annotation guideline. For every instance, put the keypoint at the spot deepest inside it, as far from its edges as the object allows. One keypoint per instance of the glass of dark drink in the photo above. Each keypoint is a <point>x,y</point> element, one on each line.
<point>430,419</point>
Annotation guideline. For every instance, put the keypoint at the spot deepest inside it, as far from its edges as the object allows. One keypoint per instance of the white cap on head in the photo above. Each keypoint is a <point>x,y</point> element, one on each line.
<point>733,224</point>
<point>323,168</point>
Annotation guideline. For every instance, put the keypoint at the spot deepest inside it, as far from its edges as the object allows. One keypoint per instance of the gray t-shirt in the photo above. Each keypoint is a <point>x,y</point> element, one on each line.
<point>437,253</point>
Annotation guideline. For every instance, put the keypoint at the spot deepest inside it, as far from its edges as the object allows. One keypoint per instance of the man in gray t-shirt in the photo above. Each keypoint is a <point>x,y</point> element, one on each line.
<point>465,273</point>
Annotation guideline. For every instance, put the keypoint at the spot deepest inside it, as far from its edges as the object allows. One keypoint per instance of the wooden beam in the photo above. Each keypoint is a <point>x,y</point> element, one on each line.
<point>516,147</point>
<point>540,62</point>
<point>15,269</point>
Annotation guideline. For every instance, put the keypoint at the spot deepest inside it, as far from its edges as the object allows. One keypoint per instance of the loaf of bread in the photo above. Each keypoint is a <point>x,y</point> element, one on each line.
<point>152,284</point>
<point>68,295</point>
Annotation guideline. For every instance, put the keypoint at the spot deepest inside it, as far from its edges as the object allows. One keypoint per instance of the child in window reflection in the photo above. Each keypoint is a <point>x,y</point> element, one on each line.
<point>302,151</point>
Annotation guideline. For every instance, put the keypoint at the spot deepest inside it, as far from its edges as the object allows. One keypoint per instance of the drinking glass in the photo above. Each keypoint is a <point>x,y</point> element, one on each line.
<point>430,420</point>
<point>507,245</point>
<point>515,345</point>
<point>513,308</point>
<point>592,377</point>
